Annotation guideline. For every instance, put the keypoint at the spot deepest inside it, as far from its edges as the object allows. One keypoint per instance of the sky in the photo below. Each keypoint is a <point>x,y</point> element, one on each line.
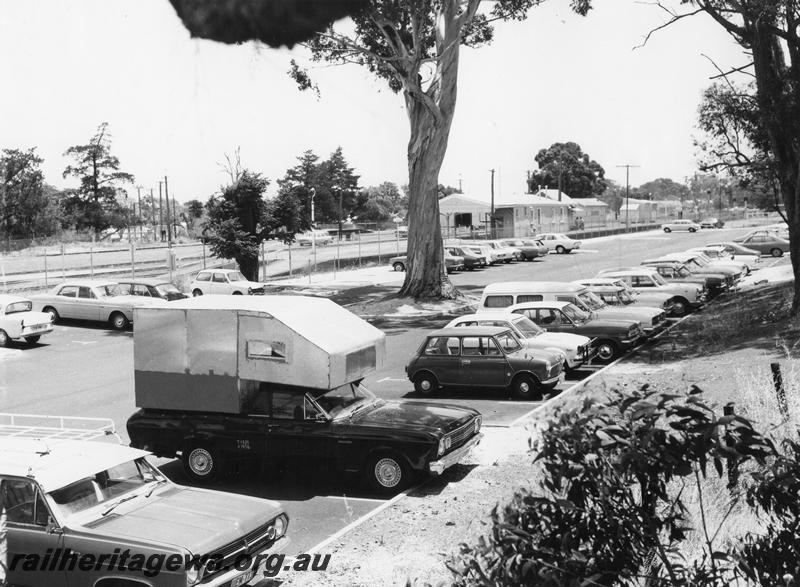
<point>176,106</point>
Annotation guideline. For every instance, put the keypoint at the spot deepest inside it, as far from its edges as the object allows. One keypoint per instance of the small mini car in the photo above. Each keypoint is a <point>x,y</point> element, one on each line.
<point>677,225</point>
<point>19,321</point>
<point>560,243</point>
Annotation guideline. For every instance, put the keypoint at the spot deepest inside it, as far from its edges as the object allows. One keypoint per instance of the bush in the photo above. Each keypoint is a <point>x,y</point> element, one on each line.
<point>611,509</point>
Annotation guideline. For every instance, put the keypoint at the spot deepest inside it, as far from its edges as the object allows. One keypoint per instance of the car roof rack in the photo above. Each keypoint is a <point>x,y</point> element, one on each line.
<point>40,427</point>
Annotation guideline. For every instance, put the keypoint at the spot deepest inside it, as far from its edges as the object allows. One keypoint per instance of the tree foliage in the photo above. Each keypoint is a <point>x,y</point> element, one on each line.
<point>613,503</point>
<point>95,204</point>
<point>414,45</point>
<point>239,219</point>
<point>28,207</point>
<point>567,166</point>
<point>663,188</point>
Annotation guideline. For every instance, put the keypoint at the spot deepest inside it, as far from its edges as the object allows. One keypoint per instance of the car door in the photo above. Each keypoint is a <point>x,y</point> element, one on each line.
<point>442,357</point>
<point>66,301</point>
<point>219,283</point>
<point>296,435</point>
<point>29,534</point>
<point>483,364</point>
<point>87,305</point>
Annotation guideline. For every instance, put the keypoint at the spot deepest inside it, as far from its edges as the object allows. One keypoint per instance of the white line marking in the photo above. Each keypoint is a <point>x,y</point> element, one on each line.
<point>389,379</point>
<point>350,498</point>
<point>85,341</point>
<point>361,520</point>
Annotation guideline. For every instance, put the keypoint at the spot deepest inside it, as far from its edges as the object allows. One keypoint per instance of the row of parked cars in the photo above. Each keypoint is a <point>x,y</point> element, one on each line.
<point>469,255</point>
<point>525,335</point>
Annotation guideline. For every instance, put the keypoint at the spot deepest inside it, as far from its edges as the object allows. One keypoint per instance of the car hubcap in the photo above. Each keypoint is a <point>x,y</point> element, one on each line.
<point>119,322</point>
<point>605,352</point>
<point>3,338</point>
<point>388,472</point>
<point>200,462</point>
<point>425,385</point>
<point>524,387</point>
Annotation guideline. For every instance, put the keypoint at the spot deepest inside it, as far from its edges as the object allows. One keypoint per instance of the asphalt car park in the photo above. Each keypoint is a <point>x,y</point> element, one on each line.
<point>86,369</point>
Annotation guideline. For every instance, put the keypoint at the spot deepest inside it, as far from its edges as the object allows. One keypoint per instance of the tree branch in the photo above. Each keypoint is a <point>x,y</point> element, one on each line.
<point>674,17</point>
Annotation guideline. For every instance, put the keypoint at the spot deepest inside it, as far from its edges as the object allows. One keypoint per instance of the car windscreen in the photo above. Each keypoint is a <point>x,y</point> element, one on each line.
<point>105,486</point>
<point>236,276</point>
<point>591,300</point>
<point>344,399</point>
<point>527,327</point>
<point>683,271</point>
<point>17,307</point>
<point>624,296</point>
<point>574,313</point>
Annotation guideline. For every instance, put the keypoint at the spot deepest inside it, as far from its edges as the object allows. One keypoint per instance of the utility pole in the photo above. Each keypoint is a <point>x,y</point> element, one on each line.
<point>166,199</point>
<point>153,213</point>
<point>491,217</point>
<point>139,218</point>
<point>627,194</point>
<point>560,175</point>
<point>160,214</point>
<point>459,184</point>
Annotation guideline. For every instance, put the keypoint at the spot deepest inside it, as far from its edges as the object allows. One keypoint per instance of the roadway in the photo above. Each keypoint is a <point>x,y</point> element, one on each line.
<point>87,370</point>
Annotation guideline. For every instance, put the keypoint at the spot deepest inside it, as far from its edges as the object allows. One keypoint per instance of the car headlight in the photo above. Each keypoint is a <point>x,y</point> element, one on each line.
<point>194,574</point>
<point>548,365</point>
<point>281,522</point>
<point>441,446</point>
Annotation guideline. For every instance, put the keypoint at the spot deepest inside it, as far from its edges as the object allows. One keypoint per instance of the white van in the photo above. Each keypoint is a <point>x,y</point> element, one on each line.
<point>505,294</point>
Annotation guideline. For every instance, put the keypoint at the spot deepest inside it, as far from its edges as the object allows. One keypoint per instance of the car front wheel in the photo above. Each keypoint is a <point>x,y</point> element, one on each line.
<point>692,230</point>
<point>560,250</point>
<point>606,350</point>
<point>4,338</point>
<point>118,321</point>
<point>387,473</point>
<point>667,229</point>
<point>776,252</point>
<point>197,292</point>
<point>525,387</point>
<point>426,384</point>
<point>398,266</point>
<point>680,307</point>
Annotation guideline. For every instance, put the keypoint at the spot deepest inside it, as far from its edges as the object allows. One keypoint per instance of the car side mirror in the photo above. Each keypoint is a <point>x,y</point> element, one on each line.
<point>321,418</point>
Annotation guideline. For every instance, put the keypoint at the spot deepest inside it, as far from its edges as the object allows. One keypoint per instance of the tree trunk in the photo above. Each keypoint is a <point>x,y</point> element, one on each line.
<point>249,267</point>
<point>430,114</point>
<point>780,108</point>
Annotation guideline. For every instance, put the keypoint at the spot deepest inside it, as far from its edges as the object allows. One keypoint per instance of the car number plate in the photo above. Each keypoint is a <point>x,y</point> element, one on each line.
<point>242,579</point>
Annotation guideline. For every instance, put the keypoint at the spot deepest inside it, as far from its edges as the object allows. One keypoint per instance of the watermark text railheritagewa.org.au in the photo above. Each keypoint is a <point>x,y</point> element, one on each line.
<point>151,565</point>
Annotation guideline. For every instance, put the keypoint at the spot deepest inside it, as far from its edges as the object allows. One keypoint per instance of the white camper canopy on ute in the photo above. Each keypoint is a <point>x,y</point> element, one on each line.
<point>207,353</point>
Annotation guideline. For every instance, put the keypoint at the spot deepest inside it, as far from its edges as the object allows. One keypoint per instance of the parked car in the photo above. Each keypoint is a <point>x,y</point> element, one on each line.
<point>453,262</point>
<point>529,250</point>
<point>577,349</point>
<point>320,237</point>
<point>686,296</point>
<point>506,254</point>
<point>74,497</point>
<point>485,357</point>
<point>718,257</point>
<point>698,263</point>
<point>343,430</point>
<point>399,263</point>
<point>19,321</point>
<point>678,225</point>
<point>96,300</point>
<point>720,254</point>
<point>673,270</point>
<point>224,282</point>
<point>480,251</point>
<point>616,292</point>
<point>765,243</point>
<point>736,250</point>
<point>711,223</point>
<point>471,260</point>
<point>612,337</point>
<point>560,243</point>
<point>154,288</point>
<point>402,231</point>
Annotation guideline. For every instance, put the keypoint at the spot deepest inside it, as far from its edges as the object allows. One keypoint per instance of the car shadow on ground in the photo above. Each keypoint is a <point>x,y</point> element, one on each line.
<point>95,325</point>
<point>435,485</point>
<point>295,483</point>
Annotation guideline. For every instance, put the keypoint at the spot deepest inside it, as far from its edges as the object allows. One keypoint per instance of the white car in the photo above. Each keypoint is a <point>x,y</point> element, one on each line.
<point>402,231</point>
<point>320,237</point>
<point>576,349</point>
<point>19,321</point>
<point>496,253</point>
<point>677,225</point>
<point>487,253</point>
<point>224,282</point>
<point>560,243</point>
